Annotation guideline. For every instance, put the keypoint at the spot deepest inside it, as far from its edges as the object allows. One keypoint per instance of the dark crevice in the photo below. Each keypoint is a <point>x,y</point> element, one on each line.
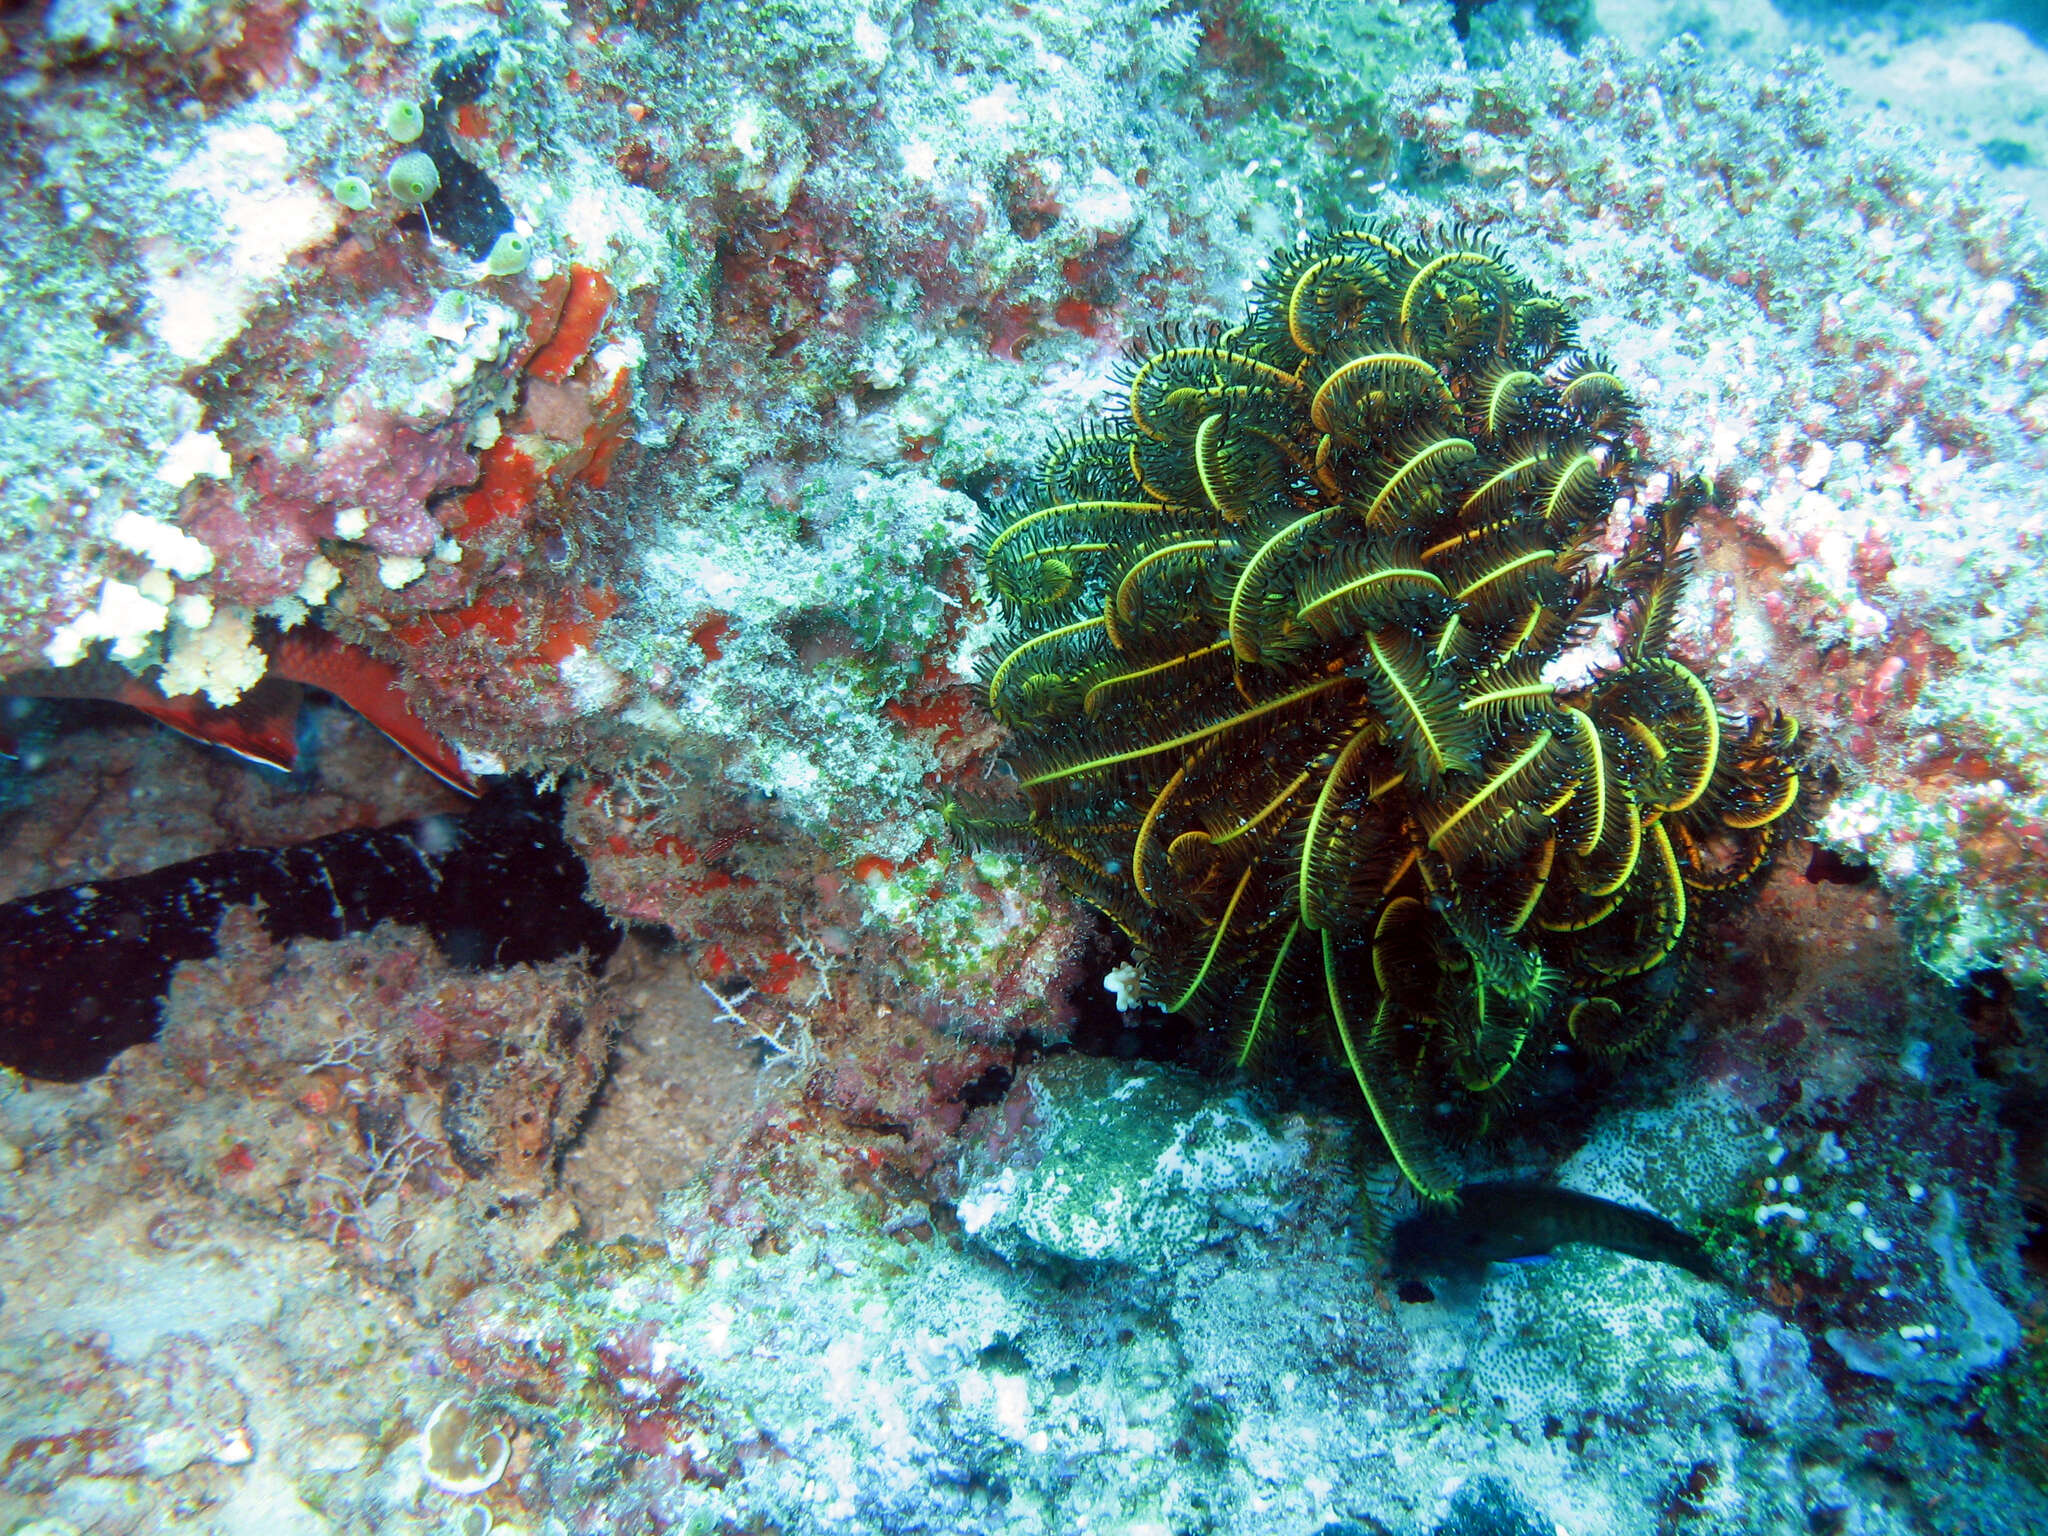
<point>83,968</point>
<point>1828,867</point>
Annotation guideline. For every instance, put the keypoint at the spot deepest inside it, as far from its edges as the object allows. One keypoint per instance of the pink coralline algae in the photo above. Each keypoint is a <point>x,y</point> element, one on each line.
<point>389,472</point>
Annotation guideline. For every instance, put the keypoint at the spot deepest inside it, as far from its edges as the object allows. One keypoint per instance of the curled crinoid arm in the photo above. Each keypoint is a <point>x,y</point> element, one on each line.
<point>1654,569</point>
<point>1323,289</point>
<point>1754,802</point>
<point>1090,465</point>
<point>1047,561</point>
<point>1278,667</point>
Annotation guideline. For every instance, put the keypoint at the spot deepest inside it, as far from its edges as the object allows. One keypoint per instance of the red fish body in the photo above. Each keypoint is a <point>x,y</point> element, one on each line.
<point>262,725</point>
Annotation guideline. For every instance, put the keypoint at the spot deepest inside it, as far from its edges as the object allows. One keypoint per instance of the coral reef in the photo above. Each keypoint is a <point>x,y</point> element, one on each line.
<point>561,496</point>
<point>1120,1294</point>
<point>643,448</point>
<point>686,485</point>
<point>1873,448</point>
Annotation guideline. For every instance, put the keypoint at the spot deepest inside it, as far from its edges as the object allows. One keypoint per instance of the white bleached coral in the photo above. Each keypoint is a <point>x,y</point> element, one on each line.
<point>127,615</point>
<point>218,659</point>
<point>259,217</point>
<point>167,547</point>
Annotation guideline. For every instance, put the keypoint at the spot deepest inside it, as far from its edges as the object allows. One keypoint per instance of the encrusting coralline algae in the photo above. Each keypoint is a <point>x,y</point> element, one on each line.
<point>675,512</point>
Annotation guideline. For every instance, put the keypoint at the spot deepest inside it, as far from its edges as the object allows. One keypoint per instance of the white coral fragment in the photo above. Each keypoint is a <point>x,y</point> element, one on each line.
<point>164,546</point>
<point>126,615</point>
<point>192,455</point>
<point>397,571</point>
<point>459,1455</point>
<point>219,659</point>
<point>258,216</point>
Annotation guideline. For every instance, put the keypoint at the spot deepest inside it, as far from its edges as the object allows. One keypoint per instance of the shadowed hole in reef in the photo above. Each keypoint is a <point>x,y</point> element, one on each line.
<point>2034,1213</point>
<point>2007,1027</point>
<point>1101,1028</point>
<point>1828,867</point>
<point>83,968</point>
<point>992,1087</point>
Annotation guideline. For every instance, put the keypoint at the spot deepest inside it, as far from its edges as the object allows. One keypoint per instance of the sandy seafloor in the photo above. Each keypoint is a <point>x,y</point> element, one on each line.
<point>837,1199</point>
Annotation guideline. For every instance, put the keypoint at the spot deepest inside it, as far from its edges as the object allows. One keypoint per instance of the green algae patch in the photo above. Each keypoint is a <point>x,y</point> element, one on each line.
<point>961,919</point>
<point>1140,1168</point>
<point>1964,871</point>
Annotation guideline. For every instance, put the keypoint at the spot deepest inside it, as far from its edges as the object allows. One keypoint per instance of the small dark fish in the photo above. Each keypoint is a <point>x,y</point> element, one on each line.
<point>1500,1223</point>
